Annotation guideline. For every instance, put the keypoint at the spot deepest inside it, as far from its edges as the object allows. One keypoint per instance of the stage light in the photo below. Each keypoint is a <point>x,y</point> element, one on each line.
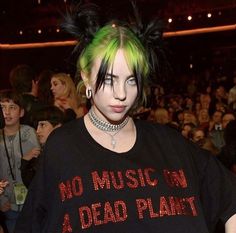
<point>58,30</point>
<point>191,66</point>
<point>21,32</point>
<point>189,17</point>
<point>209,15</point>
<point>170,20</point>
<point>39,31</point>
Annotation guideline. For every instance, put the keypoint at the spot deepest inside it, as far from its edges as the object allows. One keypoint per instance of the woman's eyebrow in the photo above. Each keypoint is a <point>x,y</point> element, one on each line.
<point>116,76</point>
<point>112,75</point>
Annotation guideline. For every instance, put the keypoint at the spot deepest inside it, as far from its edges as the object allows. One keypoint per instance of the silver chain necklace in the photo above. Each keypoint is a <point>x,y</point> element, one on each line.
<point>106,126</point>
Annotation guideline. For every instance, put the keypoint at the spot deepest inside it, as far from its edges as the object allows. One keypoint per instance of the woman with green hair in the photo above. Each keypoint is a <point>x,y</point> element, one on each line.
<point>107,172</point>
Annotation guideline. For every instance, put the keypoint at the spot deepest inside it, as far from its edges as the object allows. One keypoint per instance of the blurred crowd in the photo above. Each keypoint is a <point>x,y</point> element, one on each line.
<point>203,111</point>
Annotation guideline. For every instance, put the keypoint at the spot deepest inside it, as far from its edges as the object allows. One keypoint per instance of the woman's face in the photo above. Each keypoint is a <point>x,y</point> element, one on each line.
<point>57,87</point>
<point>44,128</point>
<point>112,102</point>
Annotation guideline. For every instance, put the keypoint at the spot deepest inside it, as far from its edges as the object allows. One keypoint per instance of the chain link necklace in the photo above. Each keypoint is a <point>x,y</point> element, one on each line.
<point>106,126</point>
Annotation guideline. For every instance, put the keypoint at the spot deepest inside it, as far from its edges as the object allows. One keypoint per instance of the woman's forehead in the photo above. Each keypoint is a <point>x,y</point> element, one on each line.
<point>117,65</point>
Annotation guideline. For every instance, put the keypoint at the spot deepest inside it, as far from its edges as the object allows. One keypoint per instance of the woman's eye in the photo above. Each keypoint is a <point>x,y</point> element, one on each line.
<point>131,81</point>
<point>108,81</point>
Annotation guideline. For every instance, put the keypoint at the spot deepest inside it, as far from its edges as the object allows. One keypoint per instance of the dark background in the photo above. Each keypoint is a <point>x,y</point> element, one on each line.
<point>204,51</point>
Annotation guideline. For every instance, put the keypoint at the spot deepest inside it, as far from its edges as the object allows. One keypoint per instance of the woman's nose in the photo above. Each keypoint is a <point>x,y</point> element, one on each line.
<point>119,91</point>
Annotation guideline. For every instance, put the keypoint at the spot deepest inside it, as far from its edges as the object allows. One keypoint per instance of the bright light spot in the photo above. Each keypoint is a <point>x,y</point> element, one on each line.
<point>189,17</point>
<point>219,13</point>
<point>65,1</point>
<point>21,32</point>
<point>170,20</point>
<point>191,66</point>
<point>39,1</point>
<point>113,25</point>
<point>39,31</point>
<point>209,15</point>
<point>58,30</point>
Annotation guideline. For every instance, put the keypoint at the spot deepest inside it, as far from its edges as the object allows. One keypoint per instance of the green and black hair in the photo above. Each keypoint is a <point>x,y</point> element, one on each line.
<point>140,43</point>
<point>105,44</point>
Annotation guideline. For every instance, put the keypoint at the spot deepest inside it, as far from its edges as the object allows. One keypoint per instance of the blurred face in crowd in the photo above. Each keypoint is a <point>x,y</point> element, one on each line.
<point>57,87</point>
<point>180,117</point>
<point>208,90</point>
<point>198,107</point>
<point>226,119</point>
<point>220,91</point>
<point>44,128</point>
<point>217,117</point>
<point>12,113</point>
<point>203,116</point>
<point>189,118</point>
<point>198,135</point>
<point>189,102</point>
<point>185,131</point>
<point>220,107</point>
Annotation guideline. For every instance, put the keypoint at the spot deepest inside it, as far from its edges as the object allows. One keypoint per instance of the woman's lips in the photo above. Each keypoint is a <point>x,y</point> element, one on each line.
<point>117,108</point>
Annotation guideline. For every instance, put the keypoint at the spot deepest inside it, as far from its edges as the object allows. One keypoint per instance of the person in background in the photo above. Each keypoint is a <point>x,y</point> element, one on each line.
<point>23,81</point>
<point>232,95</point>
<point>203,119</point>
<point>197,135</point>
<point>217,135</point>
<point>228,153</point>
<point>44,87</point>
<point>216,121</point>
<point>46,120</point>
<point>186,129</point>
<point>161,116</point>
<point>106,172</point>
<point>65,95</point>
<point>16,141</point>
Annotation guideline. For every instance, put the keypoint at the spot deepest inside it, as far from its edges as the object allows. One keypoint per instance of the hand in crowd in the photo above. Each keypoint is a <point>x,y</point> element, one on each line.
<point>3,184</point>
<point>66,103</point>
<point>34,153</point>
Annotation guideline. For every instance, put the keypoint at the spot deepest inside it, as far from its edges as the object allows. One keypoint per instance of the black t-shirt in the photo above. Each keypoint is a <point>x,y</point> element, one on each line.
<point>163,184</point>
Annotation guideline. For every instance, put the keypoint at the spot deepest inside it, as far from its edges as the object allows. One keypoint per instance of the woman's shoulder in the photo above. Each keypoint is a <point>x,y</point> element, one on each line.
<point>168,137</point>
<point>150,127</point>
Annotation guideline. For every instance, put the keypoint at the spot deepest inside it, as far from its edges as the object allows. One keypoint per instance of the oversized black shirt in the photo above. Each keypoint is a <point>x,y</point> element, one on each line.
<point>163,184</point>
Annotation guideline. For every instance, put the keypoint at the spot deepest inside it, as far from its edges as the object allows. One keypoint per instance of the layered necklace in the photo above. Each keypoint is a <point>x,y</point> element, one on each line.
<point>107,127</point>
